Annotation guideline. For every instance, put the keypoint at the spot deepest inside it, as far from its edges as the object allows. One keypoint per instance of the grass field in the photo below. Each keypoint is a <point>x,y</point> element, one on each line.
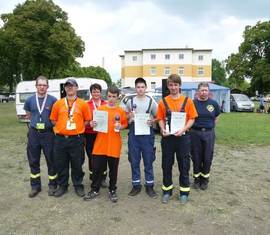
<point>237,201</point>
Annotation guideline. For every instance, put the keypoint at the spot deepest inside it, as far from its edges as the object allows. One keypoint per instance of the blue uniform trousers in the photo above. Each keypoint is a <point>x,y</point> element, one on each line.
<point>202,152</point>
<point>141,146</point>
<point>180,146</point>
<point>38,140</point>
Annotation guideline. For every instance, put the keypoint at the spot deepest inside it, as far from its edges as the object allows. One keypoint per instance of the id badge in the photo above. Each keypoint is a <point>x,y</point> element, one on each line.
<point>40,126</point>
<point>71,125</point>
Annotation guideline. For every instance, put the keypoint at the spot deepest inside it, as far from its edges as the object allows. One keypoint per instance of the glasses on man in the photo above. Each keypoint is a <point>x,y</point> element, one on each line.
<point>42,85</point>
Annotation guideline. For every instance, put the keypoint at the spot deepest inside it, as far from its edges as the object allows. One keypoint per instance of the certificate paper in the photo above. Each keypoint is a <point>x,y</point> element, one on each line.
<point>178,121</point>
<point>140,122</point>
<point>101,117</point>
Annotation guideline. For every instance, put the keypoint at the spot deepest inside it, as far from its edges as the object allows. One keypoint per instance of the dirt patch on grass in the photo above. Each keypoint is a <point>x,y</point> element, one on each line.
<point>237,201</point>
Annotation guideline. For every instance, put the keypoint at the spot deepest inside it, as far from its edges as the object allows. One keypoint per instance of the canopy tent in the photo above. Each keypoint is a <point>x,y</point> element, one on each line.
<point>219,93</point>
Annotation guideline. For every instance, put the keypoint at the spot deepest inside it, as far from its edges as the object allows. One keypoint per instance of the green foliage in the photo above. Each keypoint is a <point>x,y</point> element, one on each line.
<point>253,58</point>
<point>218,72</point>
<point>37,39</point>
<point>93,72</point>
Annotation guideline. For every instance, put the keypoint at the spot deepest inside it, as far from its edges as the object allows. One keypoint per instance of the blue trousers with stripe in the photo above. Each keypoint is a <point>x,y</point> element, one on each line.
<point>141,147</point>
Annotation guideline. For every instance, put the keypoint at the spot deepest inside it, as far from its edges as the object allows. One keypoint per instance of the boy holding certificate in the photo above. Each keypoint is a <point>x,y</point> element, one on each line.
<point>141,112</point>
<point>175,141</point>
<point>107,147</point>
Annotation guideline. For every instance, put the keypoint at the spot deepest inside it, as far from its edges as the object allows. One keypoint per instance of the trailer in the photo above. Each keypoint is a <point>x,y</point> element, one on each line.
<point>56,88</point>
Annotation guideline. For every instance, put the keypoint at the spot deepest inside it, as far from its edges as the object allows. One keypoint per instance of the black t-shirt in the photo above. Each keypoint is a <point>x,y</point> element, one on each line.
<point>207,110</point>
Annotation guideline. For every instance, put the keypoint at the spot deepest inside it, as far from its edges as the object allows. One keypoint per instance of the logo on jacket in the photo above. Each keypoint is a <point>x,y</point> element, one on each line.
<point>210,108</point>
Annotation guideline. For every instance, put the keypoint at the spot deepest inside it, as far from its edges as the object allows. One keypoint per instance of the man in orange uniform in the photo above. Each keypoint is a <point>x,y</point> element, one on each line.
<point>70,115</point>
<point>179,142</point>
<point>90,134</point>
<point>107,147</point>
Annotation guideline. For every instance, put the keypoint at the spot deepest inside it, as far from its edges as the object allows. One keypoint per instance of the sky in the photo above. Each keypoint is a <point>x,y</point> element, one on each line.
<point>108,28</point>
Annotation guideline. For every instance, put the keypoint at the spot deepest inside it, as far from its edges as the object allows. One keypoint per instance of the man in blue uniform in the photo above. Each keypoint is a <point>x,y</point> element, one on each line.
<point>141,145</point>
<point>40,136</point>
<point>203,136</point>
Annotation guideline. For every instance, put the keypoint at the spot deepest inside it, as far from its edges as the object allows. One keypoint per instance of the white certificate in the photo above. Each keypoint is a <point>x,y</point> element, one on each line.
<point>140,122</point>
<point>101,118</point>
<point>178,121</point>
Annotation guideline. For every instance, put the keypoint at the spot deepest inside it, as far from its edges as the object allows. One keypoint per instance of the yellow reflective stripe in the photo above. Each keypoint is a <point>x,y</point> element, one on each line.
<point>167,188</point>
<point>105,172</point>
<point>196,175</point>
<point>205,175</point>
<point>34,176</point>
<point>184,189</point>
<point>91,172</point>
<point>52,177</point>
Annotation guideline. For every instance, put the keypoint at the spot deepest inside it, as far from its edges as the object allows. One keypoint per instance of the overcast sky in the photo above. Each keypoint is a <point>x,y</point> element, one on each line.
<point>110,27</point>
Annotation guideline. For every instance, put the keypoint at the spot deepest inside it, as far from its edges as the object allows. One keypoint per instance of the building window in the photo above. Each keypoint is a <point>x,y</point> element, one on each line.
<point>167,56</point>
<point>181,71</point>
<point>134,58</point>
<point>181,56</point>
<point>153,71</point>
<point>153,56</point>
<point>153,85</point>
<point>200,57</point>
<point>167,71</point>
<point>200,71</point>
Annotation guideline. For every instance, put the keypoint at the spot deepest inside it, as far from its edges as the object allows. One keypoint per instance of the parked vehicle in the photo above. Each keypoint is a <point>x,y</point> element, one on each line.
<point>154,96</point>
<point>4,99</point>
<point>56,88</point>
<point>240,102</point>
<point>12,96</point>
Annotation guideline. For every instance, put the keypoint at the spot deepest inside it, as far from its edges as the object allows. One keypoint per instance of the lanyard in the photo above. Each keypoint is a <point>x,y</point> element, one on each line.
<point>40,110</point>
<point>96,106</point>
<point>70,110</point>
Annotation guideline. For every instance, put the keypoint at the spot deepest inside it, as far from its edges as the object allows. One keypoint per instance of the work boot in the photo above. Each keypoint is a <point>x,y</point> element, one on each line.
<point>183,199</point>
<point>60,191</point>
<point>79,190</point>
<point>150,191</point>
<point>34,192</point>
<point>166,198</point>
<point>91,195</point>
<point>204,185</point>
<point>113,196</point>
<point>103,183</point>
<point>52,189</point>
<point>197,183</point>
<point>135,190</point>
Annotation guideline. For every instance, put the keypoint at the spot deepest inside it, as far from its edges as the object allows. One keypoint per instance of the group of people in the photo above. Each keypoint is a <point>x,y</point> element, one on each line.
<point>67,128</point>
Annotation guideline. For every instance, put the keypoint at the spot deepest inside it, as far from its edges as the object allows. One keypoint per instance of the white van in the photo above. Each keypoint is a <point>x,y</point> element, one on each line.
<point>56,88</point>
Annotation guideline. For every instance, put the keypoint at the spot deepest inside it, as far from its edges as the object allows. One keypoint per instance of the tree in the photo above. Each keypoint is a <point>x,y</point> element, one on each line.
<point>93,72</point>
<point>253,58</point>
<point>218,72</point>
<point>42,40</point>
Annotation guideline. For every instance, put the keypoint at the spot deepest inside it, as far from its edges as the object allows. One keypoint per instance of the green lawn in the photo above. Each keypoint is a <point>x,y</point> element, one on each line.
<point>233,129</point>
<point>243,128</point>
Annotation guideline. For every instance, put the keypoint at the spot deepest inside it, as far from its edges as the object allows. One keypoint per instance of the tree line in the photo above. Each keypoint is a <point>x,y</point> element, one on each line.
<point>251,62</point>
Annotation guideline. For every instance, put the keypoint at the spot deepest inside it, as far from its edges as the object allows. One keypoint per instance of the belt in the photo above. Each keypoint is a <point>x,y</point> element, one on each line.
<point>69,136</point>
<point>42,130</point>
<point>202,129</point>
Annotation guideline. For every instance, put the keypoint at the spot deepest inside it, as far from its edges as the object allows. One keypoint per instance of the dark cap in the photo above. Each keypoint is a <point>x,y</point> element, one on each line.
<point>71,82</point>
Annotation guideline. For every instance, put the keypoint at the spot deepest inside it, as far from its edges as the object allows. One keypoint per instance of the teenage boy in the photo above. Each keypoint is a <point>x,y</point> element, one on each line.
<point>141,146</point>
<point>177,143</point>
<point>107,147</point>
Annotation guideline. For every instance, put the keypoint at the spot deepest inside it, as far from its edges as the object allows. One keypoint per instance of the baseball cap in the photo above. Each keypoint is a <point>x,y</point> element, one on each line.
<point>71,82</point>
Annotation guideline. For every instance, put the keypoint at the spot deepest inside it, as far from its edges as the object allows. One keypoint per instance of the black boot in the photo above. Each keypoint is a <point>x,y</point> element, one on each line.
<point>135,190</point>
<point>150,191</point>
